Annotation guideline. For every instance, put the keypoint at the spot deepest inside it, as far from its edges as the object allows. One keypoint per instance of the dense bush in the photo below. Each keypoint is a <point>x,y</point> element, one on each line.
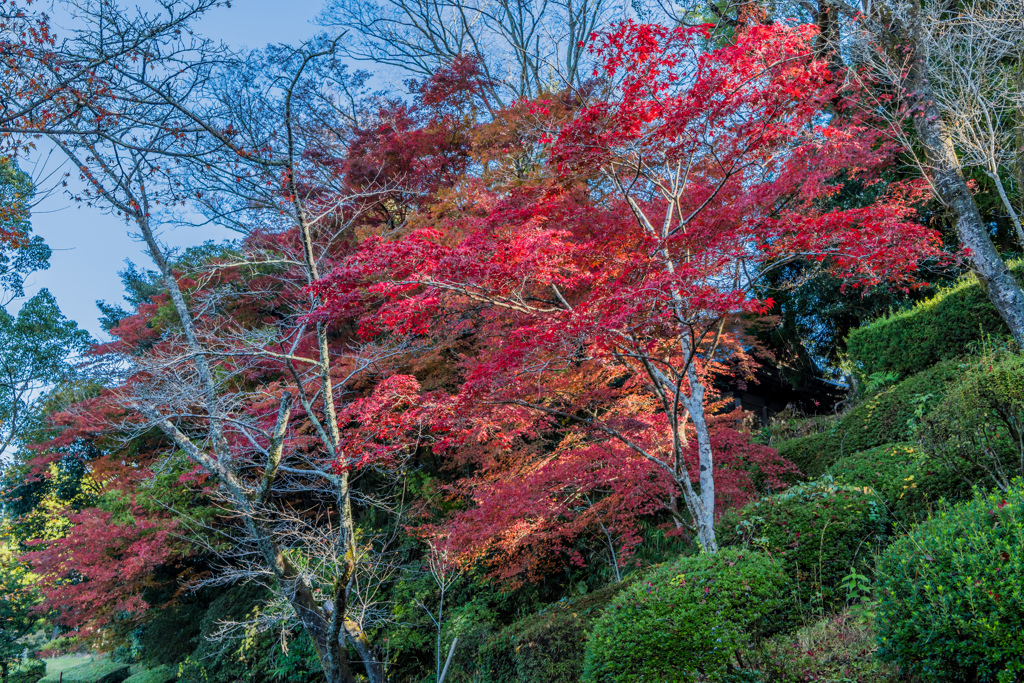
<point>937,329</point>
<point>952,603</point>
<point>699,614</point>
<point>29,672</point>
<point>891,416</point>
<point>547,647</point>
<point>923,487</point>
<point>881,469</point>
<point>977,431</point>
<point>819,531</point>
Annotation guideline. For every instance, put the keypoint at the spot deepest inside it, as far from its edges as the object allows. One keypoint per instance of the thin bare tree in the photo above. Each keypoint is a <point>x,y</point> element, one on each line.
<point>976,55</point>
<point>916,52</point>
<point>524,47</point>
<point>183,125</point>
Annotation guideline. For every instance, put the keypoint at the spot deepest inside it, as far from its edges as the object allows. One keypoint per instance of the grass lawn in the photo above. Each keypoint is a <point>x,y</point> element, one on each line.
<point>58,664</point>
<point>83,670</point>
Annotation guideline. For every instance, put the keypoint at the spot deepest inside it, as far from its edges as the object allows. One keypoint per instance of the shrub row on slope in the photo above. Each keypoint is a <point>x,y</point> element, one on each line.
<point>941,328</point>
<point>547,647</point>
<point>889,417</point>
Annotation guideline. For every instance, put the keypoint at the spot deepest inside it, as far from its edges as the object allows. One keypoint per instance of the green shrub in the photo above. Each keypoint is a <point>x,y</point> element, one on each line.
<point>812,454</point>
<point>952,603</point>
<point>891,416</point>
<point>62,645</point>
<point>694,617</point>
<point>977,431</point>
<point>941,328</point>
<point>29,672</point>
<point>837,648</point>
<point>547,647</point>
<point>98,671</point>
<point>160,674</point>
<point>819,531</point>
<point>881,469</point>
<point>920,489</point>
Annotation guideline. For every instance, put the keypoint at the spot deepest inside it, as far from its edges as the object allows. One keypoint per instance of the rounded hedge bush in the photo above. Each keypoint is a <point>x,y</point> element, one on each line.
<point>689,620</point>
<point>819,531</point>
<point>952,604</point>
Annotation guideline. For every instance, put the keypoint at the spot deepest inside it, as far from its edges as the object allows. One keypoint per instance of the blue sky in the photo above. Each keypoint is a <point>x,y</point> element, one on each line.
<point>89,247</point>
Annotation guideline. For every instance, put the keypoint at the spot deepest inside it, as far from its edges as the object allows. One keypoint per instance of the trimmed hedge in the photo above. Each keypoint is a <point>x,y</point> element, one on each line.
<point>687,620</point>
<point>819,531</point>
<point>812,454</point>
<point>29,672</point>
<point>888,417</point>
<point>102,671</point>
<point>937,329</point>
<point>952,605</point>
<point>546,647</point>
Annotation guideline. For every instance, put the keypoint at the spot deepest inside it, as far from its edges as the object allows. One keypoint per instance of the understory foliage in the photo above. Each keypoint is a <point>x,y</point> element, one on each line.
<point>976,431</point>
<point>837,648</point>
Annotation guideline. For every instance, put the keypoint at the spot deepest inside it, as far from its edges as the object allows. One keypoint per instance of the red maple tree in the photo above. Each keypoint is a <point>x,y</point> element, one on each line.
<point>97,562</point>
<point>606,301</point>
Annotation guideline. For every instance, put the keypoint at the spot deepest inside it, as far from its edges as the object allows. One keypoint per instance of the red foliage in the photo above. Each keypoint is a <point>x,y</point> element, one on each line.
<point>408,152</point>
<point>99,568</point>
<point>584,319</point>
<point>97,572</point>
<point>603,305</point>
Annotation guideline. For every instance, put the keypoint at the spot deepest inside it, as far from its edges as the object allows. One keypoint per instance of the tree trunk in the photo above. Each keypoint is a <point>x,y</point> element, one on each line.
<point>1002,288</point>
<point>703,508</point>
<point>374,667</point>
<point>332,654</point>
<point>1019,166</point>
